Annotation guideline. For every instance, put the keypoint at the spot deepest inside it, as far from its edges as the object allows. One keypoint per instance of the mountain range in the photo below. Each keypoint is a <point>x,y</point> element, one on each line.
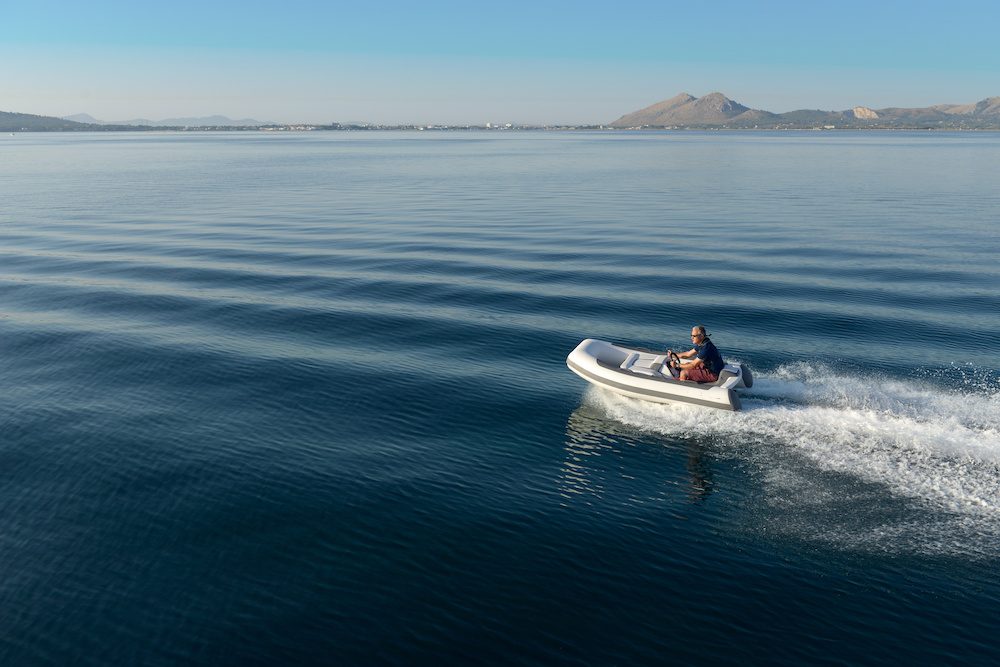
<point>25,122</point>
<point>717,110</point>
<point>207,121</point>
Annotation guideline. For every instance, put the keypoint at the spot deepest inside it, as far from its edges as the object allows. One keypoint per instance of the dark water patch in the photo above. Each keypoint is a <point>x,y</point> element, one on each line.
<point>276,399</point>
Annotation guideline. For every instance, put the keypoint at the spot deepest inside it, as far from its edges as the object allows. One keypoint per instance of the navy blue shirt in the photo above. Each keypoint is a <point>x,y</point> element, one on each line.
<point>710,356</point>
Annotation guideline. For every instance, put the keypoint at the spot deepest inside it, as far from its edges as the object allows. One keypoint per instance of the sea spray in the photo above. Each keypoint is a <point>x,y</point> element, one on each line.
<point>929,455</point>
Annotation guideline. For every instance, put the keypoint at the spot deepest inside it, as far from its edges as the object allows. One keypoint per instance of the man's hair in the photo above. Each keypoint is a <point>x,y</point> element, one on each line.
<point>700,329</point>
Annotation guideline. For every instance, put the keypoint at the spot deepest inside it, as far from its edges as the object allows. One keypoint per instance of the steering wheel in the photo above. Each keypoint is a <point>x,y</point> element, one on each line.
<point>674,359</point>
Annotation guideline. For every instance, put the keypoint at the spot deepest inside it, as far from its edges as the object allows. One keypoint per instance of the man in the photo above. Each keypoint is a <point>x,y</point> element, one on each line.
<point>707,362</point>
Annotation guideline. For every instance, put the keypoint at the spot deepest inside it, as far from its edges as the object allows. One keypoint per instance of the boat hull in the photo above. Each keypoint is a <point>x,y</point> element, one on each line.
<point>641,373</point>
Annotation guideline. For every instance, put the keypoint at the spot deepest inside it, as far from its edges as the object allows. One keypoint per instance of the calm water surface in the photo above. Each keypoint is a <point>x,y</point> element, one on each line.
<point>302,398</point>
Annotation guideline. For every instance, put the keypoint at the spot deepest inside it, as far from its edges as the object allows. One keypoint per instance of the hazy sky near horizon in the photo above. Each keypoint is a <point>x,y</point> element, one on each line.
<point>448,62</point>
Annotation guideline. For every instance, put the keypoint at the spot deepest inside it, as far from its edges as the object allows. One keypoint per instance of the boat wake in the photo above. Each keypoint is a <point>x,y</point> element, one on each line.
<point>879,464</point>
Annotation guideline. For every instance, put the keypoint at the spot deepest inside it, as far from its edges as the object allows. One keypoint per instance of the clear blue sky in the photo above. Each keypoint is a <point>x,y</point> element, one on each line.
<point>514,61</point>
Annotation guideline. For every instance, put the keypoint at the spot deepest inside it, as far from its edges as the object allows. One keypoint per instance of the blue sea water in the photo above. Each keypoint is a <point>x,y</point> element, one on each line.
<point>301,398</point>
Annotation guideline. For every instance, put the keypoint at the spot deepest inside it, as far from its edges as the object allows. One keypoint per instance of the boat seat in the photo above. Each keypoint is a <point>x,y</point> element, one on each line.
<point>723,377</point>
<point>644,364</point>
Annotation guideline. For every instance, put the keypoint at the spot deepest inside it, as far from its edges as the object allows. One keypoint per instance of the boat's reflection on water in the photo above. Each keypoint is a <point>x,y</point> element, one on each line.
<point>607,460</point>
<point>699,473</point>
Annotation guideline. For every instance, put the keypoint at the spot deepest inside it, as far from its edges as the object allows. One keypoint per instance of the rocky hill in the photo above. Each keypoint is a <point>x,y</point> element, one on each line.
<point>685,109</point>
<point>717,110</point>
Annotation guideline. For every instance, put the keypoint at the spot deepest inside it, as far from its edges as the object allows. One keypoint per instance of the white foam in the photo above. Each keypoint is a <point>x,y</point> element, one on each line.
<point>932,448</point>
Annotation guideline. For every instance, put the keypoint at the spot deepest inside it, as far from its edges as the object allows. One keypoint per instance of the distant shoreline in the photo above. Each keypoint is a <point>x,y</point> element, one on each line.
<point>483,128</point>
<point>682,112</point>
<point>713,112</point>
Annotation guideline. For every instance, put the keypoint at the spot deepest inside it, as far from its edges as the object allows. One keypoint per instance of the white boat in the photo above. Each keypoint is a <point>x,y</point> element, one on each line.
<point>645,374</point>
